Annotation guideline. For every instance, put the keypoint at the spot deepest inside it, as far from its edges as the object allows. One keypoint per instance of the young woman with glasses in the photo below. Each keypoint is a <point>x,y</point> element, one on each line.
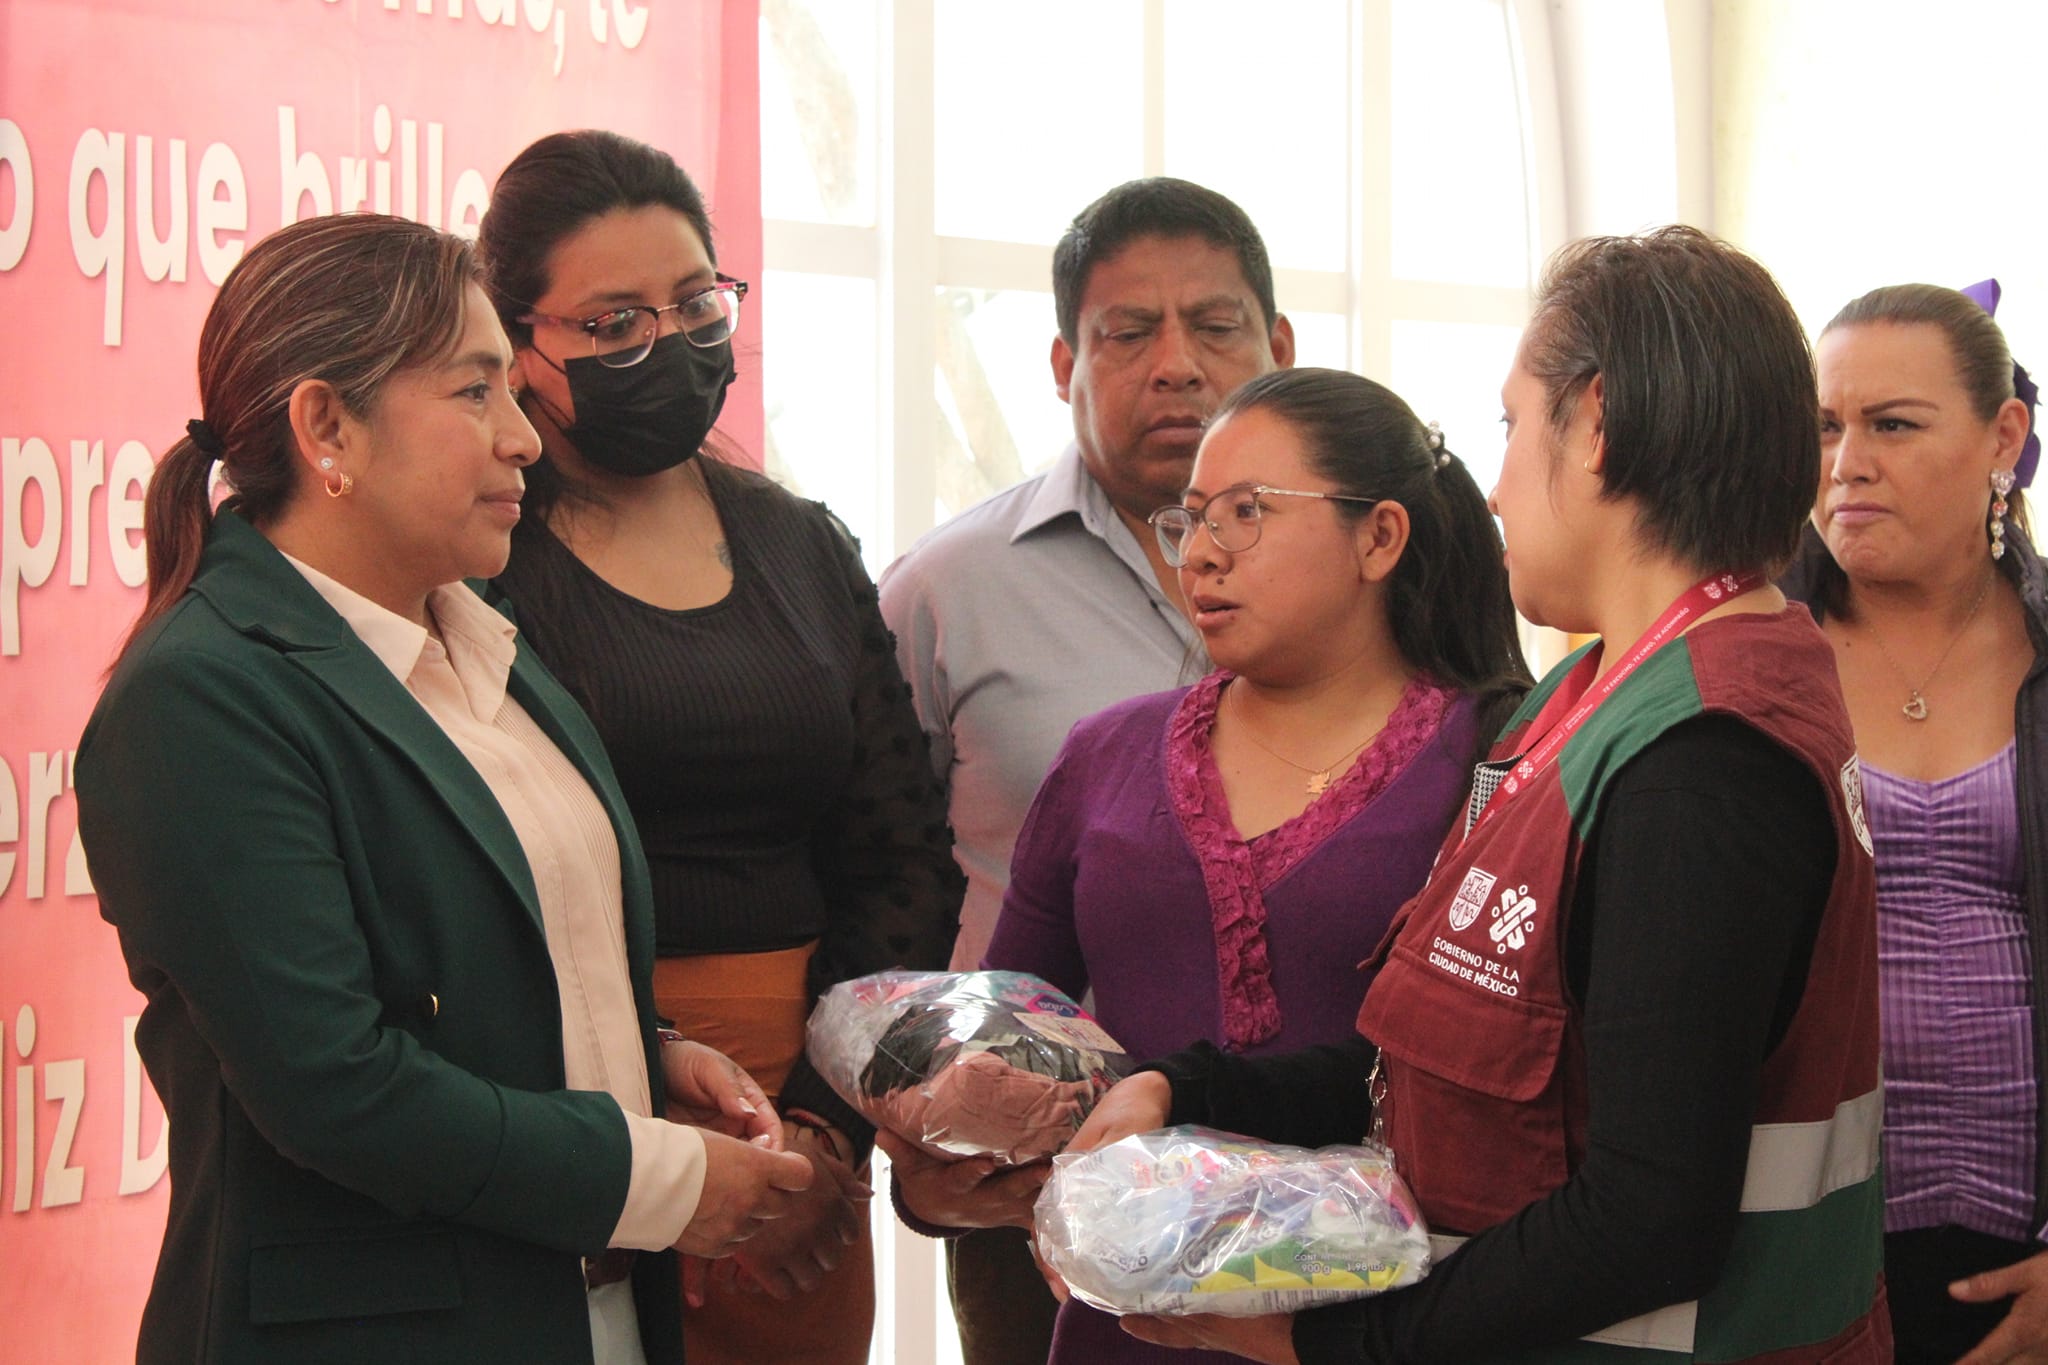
<point>1215,862</point>
<point>725,639</point>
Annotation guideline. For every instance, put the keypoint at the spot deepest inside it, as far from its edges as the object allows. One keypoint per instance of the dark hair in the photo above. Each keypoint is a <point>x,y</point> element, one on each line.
<point>1709,410</point>
<point>1447,599</point>
<point>1156,207</point>
<point>553,188</point>
<point>549,191</point>
<point>1976,345</point>
<point>351,299</point>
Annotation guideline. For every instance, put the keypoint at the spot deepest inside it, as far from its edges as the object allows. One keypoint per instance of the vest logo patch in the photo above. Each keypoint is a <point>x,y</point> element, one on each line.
<point>1852,796</point>
<point>1514,919</point>
<point>1472,894</point>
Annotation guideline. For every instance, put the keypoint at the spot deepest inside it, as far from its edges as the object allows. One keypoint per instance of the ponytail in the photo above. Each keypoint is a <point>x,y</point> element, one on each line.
<point>1448,598</point>
<point>175,517</point>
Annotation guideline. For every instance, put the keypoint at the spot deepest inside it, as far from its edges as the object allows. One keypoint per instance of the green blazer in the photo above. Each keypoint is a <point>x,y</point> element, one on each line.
<point>351,1014</point>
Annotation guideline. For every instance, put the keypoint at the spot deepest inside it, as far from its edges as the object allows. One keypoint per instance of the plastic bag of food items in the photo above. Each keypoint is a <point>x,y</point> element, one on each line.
<point>965,1064</point>
<point>1190,1220</point>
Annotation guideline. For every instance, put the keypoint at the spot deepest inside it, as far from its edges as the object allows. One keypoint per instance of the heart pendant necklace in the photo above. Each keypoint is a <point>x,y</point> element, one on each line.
<point>1915,707</point>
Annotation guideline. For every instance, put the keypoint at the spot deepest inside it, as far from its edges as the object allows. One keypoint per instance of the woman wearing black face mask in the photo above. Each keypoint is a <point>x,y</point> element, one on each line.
<point>725,639</point>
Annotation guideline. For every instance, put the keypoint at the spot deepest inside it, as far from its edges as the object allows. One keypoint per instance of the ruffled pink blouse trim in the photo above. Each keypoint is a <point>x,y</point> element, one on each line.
<point>1236,871</point>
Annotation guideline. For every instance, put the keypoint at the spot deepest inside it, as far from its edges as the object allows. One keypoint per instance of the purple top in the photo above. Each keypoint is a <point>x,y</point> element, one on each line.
<point>1129,877</point>
<point>1953,974</point>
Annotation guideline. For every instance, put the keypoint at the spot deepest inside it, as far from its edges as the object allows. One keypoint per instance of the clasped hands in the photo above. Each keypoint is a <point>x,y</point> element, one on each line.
<point>781,1200</point>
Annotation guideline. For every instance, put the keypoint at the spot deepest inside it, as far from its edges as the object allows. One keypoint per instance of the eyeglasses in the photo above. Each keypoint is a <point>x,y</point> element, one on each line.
<point>623,336</point>
<point>1237,529</point>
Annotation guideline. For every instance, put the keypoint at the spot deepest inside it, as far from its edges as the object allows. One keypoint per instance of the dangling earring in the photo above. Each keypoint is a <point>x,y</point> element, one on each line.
<point>337,490</point>
<point>2001,484</point>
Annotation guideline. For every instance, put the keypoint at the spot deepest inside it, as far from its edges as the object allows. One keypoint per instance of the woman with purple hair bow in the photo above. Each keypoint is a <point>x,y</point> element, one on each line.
<point>1920,571</point>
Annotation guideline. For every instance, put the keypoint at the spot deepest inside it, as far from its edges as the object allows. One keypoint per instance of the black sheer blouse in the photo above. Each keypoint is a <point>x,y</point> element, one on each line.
<point>766,744</point>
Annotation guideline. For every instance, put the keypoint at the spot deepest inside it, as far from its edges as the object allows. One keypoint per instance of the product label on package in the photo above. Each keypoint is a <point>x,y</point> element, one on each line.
<point>1080,1032</point>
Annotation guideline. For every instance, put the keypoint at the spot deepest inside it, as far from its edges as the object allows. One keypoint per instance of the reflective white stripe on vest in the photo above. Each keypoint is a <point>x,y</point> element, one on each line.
<point>1796,1165</point>
<point>1791,1166</point>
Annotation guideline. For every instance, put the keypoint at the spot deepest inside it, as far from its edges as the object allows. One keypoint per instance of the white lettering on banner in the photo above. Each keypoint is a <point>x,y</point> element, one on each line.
<point>366,182</point>
<point>211,213</point>
<point>219,170</point>
<point>63,1082</point>
<point>30,479</point>
<point>97,157</point>
<point>22,563</point>
<point>24,1111</point>
<point>49,1105</point>
<point>631,21</point>
<point>100,180</point>
<point>10,825</point>
<point>15,161</point>
<point>63,1085</point>
<point>162,257</point>
<point>139,1173</point>
<point>49,776</point>
<point>300,173</point>
<point>544,18</point>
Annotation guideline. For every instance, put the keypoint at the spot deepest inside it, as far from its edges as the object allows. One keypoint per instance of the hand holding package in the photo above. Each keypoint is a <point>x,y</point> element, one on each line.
<point>1190,1220</point>
<point>995,1064</point>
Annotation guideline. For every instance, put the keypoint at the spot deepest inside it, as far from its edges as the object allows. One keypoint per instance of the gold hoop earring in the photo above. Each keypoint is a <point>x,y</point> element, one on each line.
<point>341,489</point>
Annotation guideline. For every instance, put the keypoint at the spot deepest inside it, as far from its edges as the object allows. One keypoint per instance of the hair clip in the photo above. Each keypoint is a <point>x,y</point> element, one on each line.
<point>1433,437</point>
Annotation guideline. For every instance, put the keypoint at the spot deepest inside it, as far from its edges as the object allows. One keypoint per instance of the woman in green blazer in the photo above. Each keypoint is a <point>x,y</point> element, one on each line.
<point>398,1012</point>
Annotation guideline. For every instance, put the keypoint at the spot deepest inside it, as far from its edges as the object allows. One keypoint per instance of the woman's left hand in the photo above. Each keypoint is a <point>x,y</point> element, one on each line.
<point>1269,1339</point>
<point>2023,1336</point>
<point>789,1256</point>
<point>711,1090</point>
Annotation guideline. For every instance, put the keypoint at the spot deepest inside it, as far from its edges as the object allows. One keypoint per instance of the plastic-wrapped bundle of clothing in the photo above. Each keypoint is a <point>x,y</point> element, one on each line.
<point>1190,1220</point>
<point>995,1064</point>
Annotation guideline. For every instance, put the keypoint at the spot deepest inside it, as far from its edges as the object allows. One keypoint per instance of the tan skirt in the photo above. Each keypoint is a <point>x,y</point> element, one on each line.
<point>752,1007</point>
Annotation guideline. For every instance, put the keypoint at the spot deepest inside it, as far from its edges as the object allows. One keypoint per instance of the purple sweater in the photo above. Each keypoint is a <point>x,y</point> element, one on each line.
<point>1107,890</point>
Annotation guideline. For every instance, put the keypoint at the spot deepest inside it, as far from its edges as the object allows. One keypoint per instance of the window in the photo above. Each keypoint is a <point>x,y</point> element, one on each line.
<point>921,157</point>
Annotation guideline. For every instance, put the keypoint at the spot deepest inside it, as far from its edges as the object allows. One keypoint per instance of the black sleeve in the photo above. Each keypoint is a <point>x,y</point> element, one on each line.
<point>1693,922</point>
<point>885,858</point>
<point>1311,1098</point>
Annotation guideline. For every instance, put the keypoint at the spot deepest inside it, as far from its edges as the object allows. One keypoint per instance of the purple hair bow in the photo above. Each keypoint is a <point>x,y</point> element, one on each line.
<point>1985,294</point>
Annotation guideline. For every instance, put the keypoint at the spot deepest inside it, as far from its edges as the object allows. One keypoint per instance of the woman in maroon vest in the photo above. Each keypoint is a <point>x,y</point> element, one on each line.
<point>1624,1041</point>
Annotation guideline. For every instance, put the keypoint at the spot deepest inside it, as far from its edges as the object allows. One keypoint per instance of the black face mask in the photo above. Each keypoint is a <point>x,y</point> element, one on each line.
<point>652,416</point>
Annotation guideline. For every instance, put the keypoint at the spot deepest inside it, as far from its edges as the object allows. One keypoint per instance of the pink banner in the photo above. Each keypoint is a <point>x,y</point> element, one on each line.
<point>144,144</point>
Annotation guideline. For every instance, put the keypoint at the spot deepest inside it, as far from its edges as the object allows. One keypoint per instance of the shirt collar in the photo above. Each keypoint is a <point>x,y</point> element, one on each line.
<point>1067,489</point>
<point>479,641</point>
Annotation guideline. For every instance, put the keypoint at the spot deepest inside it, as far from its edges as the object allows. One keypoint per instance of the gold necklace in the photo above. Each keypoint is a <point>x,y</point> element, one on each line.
<point>1916,704</point>
<point>1318,778</point>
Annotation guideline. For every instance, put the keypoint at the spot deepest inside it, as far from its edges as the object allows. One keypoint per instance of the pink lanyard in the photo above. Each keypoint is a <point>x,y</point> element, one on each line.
<point>1695,602</point>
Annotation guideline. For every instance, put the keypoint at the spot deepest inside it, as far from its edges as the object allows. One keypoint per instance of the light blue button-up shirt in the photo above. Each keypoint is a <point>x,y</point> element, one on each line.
<point>1014,620</point>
